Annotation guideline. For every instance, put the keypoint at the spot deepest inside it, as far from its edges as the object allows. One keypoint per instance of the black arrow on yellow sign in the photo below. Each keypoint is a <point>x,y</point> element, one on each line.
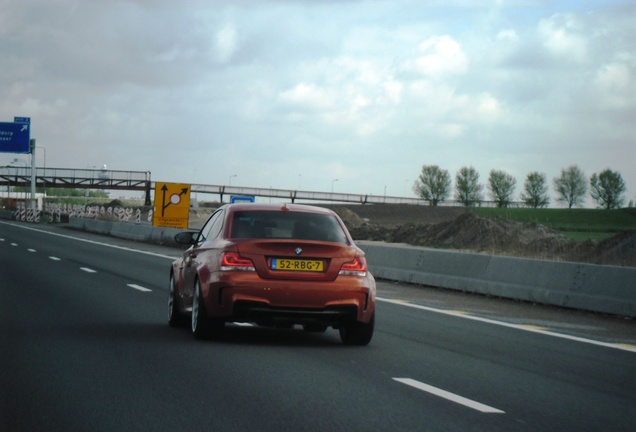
<point>165,205</point>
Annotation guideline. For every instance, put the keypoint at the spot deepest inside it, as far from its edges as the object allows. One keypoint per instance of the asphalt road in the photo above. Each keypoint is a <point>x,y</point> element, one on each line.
<point>85,346</point>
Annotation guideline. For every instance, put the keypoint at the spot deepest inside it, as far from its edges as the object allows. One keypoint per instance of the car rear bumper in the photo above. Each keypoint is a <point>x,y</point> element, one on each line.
<point>248,298</point>
<point>263,314</point>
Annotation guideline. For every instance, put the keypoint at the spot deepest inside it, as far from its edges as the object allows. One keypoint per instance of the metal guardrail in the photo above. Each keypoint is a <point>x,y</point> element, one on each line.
<point>299,195</point>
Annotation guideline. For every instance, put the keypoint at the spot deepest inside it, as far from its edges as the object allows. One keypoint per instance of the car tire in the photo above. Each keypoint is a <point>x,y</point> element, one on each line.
<point>202,326</point>
<point>357,333</point>
<point>175,317</point>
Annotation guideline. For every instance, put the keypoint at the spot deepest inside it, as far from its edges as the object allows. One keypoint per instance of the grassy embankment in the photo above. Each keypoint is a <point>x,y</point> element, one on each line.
<point>577,224</point>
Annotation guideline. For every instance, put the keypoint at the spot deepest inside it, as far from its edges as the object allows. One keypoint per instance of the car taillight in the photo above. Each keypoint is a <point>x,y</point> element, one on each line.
<point>232,261</point>
<point>357,267</point>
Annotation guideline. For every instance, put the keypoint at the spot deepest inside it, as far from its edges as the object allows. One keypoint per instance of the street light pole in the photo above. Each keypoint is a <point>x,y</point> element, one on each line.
<point>33,201</point>
<point>18,173</point>
<point>332,182</point>
<point>44,168</point>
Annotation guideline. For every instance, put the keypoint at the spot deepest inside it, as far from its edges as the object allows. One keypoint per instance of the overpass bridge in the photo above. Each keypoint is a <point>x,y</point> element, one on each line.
<point>15,176</point>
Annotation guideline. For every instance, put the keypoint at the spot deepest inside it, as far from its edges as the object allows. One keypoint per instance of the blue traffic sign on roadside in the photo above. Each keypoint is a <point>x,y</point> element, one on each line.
<point>15,137</point>
<point>242,198</point>
<point>22,120</point>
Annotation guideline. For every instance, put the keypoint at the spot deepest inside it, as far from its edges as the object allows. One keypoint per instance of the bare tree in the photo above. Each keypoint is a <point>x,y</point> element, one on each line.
<point>571,186</point>
<point>433,184</point>
<point>502,187</point>
<point>467,186</point>
<point>607,189</point>
<point>535,190</point>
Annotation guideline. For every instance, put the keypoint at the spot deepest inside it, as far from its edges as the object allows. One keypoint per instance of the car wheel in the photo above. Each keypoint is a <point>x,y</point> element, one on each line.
<point>357,333</point>
<point>202,326</point>
<point>175,318</point>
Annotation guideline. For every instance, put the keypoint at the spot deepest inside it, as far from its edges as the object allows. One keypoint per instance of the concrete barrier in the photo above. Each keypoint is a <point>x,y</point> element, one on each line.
<point>607,289</point>
<point>6,214</point>
<point>131,231</point>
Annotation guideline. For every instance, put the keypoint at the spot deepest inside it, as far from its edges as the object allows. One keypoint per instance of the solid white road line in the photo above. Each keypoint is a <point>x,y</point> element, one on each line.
<point>139,288</point>
<point>531,329</point>
<point>88,270</point>
<point>90,241</point>
<point>449,396</point>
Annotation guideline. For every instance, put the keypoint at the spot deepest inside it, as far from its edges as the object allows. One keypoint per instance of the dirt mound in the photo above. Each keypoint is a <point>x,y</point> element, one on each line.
<point>498,236</point>
<point>350,218</point>
<point>390,215</point>
<point>617,250</point>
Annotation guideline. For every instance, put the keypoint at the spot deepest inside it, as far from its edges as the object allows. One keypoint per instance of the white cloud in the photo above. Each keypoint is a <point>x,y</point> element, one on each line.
<point>226,43</point>
<point>564,36</point>
<point>508,35</point>
<point>308,96</point>
<point>616,85</point>
<point>438,56</point>
<point>488,107</point>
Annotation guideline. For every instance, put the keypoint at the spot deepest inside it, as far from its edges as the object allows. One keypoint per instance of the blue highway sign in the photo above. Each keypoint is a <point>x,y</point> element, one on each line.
<point>15,137</point>
<point>241,198</point>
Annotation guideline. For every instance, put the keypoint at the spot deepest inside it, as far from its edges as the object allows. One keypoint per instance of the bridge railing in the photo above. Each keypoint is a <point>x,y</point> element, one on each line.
<point>76,178</point>
<point>301,195</point>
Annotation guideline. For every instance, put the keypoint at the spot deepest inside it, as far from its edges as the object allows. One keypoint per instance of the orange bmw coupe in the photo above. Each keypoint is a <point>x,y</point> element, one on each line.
<point>274,265</point>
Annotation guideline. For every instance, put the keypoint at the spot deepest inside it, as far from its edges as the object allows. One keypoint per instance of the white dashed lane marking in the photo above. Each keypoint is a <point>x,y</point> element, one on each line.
<point>139,288</point>
<point>449,396</point>
<point>88,270</point>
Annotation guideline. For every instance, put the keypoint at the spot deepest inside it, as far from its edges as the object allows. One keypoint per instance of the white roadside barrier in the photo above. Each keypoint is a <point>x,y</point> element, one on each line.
<point>597,288</point>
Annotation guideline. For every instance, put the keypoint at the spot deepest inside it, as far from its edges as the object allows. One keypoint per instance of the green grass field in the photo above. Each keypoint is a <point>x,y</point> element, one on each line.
<point>577,224</point>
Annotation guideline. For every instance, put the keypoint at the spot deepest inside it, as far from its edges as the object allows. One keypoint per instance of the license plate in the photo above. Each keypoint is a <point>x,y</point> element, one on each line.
<point>297,265</point>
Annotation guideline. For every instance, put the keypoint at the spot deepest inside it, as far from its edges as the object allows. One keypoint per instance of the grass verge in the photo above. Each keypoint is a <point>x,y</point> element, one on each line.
<point>577,224</point>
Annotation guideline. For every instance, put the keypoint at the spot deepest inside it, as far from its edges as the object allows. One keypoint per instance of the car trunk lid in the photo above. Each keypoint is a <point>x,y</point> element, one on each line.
<point>297,259</point>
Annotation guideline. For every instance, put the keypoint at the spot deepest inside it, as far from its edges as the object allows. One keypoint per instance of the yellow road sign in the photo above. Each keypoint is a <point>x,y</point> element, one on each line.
<point>172,205</point>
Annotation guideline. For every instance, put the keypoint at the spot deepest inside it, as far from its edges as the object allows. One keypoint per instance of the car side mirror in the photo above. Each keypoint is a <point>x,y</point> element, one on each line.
<point>187,237</point>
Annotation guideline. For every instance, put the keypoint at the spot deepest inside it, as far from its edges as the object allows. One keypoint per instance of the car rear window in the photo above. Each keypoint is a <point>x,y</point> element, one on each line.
<point>287,225</point>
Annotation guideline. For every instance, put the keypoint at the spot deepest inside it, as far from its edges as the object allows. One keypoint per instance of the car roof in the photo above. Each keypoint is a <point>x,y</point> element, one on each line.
<point>277,207</point>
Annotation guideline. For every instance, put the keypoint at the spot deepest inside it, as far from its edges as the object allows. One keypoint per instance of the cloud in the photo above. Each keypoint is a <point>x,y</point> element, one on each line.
<point>438,56</point>
<point>562,35</point>
<point>308,96</point>
<point>616,84</point>
<point>226,43</point>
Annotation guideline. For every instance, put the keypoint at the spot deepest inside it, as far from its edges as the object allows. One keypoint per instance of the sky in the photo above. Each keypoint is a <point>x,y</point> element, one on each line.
<point>321,95</point>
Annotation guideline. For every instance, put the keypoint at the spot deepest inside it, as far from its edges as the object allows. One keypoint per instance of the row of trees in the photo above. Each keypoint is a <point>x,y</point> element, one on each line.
<point>606,188</point>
